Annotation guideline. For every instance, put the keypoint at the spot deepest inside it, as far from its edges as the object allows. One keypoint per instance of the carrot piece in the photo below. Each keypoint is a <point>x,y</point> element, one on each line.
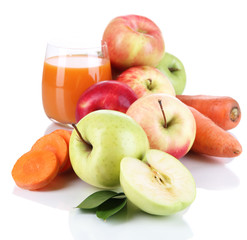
<point>224,111</point>
<point>55,144</point>
<point>213,140</point>
<point>65,134</point>
<point>35,169</point>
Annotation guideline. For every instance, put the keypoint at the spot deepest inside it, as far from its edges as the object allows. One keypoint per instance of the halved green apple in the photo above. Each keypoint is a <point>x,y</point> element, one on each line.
<point>160,184</point>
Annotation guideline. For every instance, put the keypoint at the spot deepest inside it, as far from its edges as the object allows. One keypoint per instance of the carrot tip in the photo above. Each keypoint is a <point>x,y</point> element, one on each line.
<point>237,152</point>
<point>234,114</point>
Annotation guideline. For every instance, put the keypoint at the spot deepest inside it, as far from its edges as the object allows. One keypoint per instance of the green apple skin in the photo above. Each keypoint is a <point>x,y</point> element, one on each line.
<point>173,68</point>
<point>159,185</point>
<point>108,136</point>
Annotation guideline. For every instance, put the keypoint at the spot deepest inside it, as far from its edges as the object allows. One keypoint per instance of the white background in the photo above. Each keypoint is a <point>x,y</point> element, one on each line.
<point>210,39</point>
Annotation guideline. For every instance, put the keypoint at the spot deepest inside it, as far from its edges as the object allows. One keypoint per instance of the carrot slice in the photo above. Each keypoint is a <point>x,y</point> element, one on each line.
<point>65,134</point>
<point>35,169</point>
<point>224,111</point>
<point>213,140</point>
<point>55,144</point>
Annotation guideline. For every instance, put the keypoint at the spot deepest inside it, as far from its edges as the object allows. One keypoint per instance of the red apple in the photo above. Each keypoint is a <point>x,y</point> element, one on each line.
<point>134,40</point>
<point>145,80</point>
<point>109,94</point>
<point>169,124</point>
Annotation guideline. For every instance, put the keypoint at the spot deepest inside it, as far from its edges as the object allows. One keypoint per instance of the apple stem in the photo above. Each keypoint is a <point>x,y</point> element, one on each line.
<point>173,69</point>
<point>77,131</point>
<point>163,113</point>
<point>149,83</point>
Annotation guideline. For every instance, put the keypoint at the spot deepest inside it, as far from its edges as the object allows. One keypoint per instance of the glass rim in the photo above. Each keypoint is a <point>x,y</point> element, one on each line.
<point>65,46</point>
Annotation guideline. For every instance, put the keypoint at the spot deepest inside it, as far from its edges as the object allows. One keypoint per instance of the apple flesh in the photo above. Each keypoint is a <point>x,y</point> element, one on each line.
<point>173,68</point>
<point>160,184</point>
<point>103,139</point>
<point>145,80</point>
<point>110,94</point>
<point>168,123</point>
<point>133,40</point>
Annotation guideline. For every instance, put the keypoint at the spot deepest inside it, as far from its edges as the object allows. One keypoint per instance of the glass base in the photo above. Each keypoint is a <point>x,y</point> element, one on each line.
<point>63,125</point>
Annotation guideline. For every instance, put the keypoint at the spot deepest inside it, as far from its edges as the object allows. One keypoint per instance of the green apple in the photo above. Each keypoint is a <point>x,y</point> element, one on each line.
<point>159,185</point>
<point>173,68</point>
<point>104,137</point>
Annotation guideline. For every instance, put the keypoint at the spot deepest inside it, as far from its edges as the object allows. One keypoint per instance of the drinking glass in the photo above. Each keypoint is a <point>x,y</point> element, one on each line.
<point>67,73</point>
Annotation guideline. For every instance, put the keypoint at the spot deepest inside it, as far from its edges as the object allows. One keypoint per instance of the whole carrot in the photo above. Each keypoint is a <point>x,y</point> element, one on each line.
<point>224,111</point>
<point>213,140</point>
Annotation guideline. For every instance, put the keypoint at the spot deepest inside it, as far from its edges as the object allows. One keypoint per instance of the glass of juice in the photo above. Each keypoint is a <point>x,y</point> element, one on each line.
<point>67,73</point>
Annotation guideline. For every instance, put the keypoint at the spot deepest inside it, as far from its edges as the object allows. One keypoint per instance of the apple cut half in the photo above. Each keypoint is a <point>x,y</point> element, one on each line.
<point>159,185</point>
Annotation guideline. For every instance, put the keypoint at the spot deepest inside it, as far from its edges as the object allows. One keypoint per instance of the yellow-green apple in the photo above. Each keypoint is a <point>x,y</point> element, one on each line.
<point>168,123</point>
<point>133,40</point>
<point>145,80</point>
<point>108,94</point>
<point>173,68</point>
<point>160,184</point>
<point>100,141</point>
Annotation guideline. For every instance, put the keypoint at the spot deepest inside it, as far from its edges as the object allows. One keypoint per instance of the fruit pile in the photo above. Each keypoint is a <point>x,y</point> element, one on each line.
<point>132,130</point>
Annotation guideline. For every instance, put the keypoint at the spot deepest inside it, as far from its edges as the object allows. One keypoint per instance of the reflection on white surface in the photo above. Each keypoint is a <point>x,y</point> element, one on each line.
<point>210,173</point>
<point>129,222</point>
<point>53,126</point>
<point>62,193</point>
<point>67,191</point>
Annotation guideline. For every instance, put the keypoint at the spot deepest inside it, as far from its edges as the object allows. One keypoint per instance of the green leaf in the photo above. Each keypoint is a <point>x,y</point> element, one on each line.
<point>97,198</point>
<point>110,207</point>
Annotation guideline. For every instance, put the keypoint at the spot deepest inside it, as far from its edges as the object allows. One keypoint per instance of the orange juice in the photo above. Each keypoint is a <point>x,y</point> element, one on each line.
<point>65,78</point>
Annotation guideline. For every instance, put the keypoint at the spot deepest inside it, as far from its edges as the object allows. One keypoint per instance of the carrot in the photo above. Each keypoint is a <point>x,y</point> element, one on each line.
<point>65,134</point>
<point>224,111</point>
<point>54,143</point>
<point>213,140</point>
<point>35,169</point>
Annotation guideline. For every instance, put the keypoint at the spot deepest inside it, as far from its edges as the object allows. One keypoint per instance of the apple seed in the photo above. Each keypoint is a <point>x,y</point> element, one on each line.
<point>161,179</point>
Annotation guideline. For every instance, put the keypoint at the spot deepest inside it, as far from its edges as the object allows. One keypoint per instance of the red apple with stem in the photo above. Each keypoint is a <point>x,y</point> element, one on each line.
<point>108,94</point>
<point>134,40</point>
<point>168,123</point>
<point>145,80</point>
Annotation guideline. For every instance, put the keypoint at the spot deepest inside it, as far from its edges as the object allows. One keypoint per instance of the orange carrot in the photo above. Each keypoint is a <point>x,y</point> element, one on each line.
<point>54,143</point>
<point>213,140</point>
<point>65,134</point>
<point>35,169</point>
<point>224,111</point>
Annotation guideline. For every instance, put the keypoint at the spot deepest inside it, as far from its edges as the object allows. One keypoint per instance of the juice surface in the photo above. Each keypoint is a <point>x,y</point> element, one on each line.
<point>65,78</point>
